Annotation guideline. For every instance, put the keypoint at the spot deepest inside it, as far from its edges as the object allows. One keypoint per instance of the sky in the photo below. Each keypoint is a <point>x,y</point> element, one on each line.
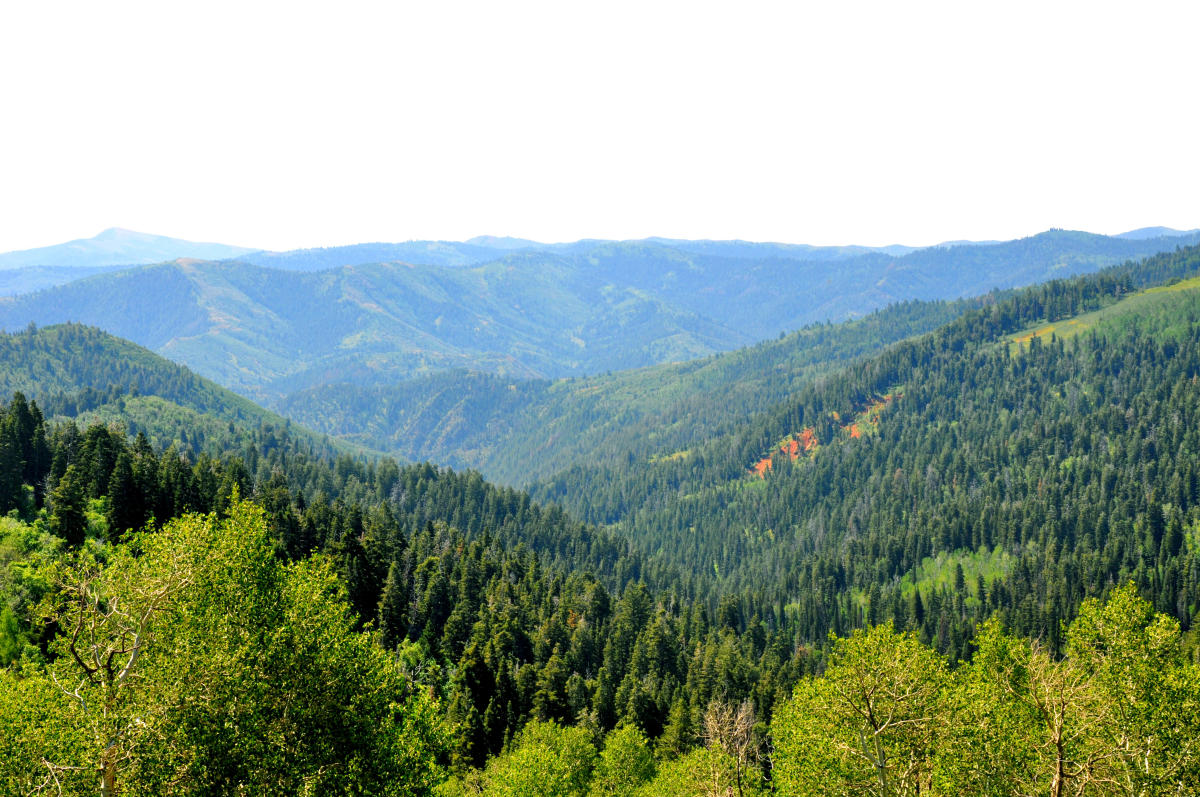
<point>288,125</point>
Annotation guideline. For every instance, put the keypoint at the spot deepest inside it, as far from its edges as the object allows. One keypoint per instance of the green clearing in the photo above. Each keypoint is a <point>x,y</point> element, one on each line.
<point>937,572</point>
<point>1142,303</point>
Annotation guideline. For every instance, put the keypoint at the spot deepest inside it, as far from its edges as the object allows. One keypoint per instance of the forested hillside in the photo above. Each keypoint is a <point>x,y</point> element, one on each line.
<point>770,293</point>
<point>80,372</point>
<point>1000,473</point>
<point>265,332</point>
<point>502,610</point>
<point>503,656</point>
<point>517,431</point>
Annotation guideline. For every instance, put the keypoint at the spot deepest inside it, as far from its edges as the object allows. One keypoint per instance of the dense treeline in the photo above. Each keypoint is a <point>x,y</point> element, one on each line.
<point>1117,715</point>
<point>227,668</point>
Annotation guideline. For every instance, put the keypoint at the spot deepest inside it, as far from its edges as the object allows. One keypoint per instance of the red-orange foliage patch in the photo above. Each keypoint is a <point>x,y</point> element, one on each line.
<point>807,442</point>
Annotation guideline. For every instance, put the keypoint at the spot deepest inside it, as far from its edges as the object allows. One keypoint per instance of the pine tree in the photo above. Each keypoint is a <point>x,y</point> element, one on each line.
<point>126,510</point>
<point>393,608</point>
<point>11,490</point>
<point>37,467</point>
<point>67,504</point>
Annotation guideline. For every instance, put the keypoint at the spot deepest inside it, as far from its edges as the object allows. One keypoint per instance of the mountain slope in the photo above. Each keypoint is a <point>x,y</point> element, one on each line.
<point>984,470</point>
<point>515,430</point>
<point>1044,474</point>
<point>425,253</point>
<point>27,279</point>
<point>765,288</point>
<point>765,296</point>
<point>117,247</point>
<point>265,332</point>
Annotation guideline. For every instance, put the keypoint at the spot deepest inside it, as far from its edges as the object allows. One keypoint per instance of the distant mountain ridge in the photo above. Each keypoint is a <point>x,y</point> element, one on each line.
<point>581,308</point>
<point>1155,232</point>
<point>486,248</point>
<point>118,247</point>
<point>27,279</point>
<point>428,253</point>
<point>42,267</point>
<point>746,249</point>
<point>266,333</point>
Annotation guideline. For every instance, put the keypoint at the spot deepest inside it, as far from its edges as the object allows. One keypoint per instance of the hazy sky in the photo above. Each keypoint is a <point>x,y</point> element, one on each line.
<point>304,124</point>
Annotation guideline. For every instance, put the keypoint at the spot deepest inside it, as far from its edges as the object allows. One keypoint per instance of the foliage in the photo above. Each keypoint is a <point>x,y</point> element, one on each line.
<point>1113,717</point>
<point>195,661</point>
<point>79,372</point>
<point>868,725</point>
<point>625,763</point>
<point>547,760</point>
<point>975,538</point>
<point>703,772</point>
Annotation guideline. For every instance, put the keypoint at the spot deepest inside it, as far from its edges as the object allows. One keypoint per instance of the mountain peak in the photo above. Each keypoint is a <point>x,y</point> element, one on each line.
<point>115,233</point>
<point>117,246</point>
<point>502,242</point>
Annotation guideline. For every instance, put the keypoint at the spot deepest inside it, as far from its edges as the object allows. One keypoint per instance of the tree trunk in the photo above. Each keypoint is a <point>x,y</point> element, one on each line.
<point>108,777</point>
<point>1060,775</point>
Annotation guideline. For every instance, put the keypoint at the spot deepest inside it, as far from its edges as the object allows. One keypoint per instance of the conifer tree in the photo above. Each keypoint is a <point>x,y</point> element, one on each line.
<point>67,505</point>
<point>393,608</point>
<point>125,503</point>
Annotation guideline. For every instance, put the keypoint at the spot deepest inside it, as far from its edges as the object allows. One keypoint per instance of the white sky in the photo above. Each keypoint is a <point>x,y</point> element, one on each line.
<point>307,124</point>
